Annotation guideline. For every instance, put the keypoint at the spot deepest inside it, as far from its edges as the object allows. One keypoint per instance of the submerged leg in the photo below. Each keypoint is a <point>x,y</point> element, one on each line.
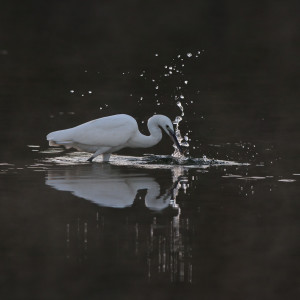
<point>106,157</point>
<point>98,152</point>
<point>91,159</point>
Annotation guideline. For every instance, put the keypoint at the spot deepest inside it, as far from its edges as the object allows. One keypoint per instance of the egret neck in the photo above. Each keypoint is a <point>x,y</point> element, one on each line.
<point>144,141</point>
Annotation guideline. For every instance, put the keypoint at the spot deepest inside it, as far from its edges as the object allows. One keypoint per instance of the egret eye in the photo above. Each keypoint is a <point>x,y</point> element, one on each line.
<point>167,126</point>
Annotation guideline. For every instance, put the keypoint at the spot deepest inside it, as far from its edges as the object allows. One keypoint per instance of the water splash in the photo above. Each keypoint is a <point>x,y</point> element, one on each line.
<point>183,141</point>
<point>172,76</point>
<point>181,108</point>
<point>148,161</point>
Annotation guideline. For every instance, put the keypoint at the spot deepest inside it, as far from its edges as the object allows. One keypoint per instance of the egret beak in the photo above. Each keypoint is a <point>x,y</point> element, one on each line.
<point>174,139</point>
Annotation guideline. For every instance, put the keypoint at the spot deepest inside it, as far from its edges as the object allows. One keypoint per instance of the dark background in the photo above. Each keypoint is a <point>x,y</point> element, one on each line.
<point>244,84</point>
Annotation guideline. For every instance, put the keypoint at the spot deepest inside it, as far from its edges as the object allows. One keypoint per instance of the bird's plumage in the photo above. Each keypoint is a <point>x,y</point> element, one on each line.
<point>110,134</point>
<point>98,132</point>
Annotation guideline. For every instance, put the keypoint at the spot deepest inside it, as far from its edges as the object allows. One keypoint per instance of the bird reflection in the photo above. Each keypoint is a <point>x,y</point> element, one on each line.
<point>107,186</point>
<point>133,217</point>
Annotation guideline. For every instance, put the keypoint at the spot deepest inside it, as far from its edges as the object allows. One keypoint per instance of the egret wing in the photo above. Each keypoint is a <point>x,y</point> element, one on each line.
<point>108,131</point>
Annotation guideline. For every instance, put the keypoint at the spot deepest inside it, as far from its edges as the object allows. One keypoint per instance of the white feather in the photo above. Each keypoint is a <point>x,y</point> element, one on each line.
<point>110,134</point>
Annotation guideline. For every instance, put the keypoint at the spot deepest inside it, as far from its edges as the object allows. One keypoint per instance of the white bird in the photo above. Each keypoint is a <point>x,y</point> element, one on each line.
<point>110,134</point>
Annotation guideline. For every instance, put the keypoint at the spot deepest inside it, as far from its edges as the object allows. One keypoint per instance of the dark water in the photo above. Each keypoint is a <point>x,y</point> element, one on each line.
<point>140,228</point>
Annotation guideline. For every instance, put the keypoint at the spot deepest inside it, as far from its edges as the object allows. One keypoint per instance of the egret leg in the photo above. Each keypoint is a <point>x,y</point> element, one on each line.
<point>106,157</point>
<point>91,159</point>
<point>98,152</point>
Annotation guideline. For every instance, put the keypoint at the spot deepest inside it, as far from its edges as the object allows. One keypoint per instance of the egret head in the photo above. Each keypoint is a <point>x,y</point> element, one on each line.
<point>166,124</point>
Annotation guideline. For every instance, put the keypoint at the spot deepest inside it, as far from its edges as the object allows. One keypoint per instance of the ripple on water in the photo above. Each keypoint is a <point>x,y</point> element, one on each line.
<point>52,150</point>
<point>252,178</point>
<point>6,164</point>
<point>287,180</point>
<point>146,161</point>
<point>231,176</point>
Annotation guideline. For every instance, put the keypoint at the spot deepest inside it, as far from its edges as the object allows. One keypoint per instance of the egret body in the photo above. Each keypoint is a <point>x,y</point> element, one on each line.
<point>110,134</point>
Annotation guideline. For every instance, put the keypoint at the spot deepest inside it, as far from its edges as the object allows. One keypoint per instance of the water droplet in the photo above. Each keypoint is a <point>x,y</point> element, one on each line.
<point>185,82</point>
<point>72,91</point>
<point>181,108</point>
<point>189,54</point>
<point>181,96</point>
<point>177,120</point>
<point>141,98</point>
<point>90,92</point>
<point>156,87</point>
<point>156,54</point>
<point>100,107</point>
<point>170,68</point>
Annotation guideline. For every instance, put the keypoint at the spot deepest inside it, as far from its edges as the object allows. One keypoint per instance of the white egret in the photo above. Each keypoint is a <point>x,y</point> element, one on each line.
<point>110,134</point>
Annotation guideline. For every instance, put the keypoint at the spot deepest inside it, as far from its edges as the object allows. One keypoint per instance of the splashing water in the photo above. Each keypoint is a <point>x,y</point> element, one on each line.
<point>148,161</point>
<point>183,141</point>
<point>181,108</point>
<point>174,71</point>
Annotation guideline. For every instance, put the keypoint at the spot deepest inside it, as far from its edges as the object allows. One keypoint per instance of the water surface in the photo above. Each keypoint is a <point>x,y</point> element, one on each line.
<point>211,228</point>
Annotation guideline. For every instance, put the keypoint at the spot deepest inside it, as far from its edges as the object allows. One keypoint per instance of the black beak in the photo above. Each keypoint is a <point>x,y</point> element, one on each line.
<point>174,139</point>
